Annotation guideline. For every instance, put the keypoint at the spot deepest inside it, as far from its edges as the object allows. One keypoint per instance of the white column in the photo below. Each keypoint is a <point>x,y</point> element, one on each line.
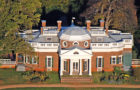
<point>80,67</point>
<point>89,67</point>
<point>71,67</point>
<point>61,69</point>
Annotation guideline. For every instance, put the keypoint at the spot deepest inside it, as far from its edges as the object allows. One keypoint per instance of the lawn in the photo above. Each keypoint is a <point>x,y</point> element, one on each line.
<point>10,76</point>
<point>53,78</point>
<point>61,88</point>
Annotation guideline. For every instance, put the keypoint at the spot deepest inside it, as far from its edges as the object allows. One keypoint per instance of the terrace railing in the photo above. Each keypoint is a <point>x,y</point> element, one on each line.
<point>7,61</point>
<point>136,62</point>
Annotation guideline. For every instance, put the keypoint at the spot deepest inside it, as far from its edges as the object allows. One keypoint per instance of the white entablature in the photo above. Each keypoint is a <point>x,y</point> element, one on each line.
<point>76,54</point>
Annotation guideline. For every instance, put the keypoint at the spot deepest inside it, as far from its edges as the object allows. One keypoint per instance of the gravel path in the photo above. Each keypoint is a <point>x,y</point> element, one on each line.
<point>67,85</point>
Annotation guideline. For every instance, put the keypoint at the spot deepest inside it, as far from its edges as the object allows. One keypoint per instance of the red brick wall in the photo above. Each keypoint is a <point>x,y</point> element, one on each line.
<point>42,57</point>
<point>107,66</point>
<point>107,56</point>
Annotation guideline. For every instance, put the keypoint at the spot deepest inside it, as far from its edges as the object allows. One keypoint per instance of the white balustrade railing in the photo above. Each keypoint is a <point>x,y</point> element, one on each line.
<point>136,62</point>
<point>7,61</point>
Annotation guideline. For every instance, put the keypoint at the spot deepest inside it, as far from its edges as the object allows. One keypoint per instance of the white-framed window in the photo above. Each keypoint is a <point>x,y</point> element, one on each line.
<point>75,66</point>
<point>55,44</point>
<point>106,44</point>
<point>49,44</point>
<point>65,43</point>
<point>99,39</point>
<point>49,38</point>
<point>113,60</point>
<point>65,65</point>
<point>119,59</point>
<point>93,44</point>
<point>86,43</point>
<point>114,44</point>
<point>42,44</point>
<point>75,43</point>
<point>85,65</point>
<point>127,40</point>
<point>49,61</point>
<point>34,61</point>
<point>99,61</point>
<point>100,44</point>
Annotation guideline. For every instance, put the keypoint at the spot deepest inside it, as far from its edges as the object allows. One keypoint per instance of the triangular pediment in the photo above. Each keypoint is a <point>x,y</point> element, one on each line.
<point>76,51</point>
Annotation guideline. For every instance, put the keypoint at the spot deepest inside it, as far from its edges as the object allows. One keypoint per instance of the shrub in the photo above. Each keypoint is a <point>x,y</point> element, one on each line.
<point>35,76</point>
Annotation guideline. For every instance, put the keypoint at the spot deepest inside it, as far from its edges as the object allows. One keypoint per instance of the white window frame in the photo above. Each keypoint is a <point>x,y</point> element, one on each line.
<point>112,60</point>
<point>33,59</point>
<point>64,44</point>
<point>101,60</point>
<point>48,63</point>
<point>75,42</point>
<point>85,43</point>
<point>120,61</point>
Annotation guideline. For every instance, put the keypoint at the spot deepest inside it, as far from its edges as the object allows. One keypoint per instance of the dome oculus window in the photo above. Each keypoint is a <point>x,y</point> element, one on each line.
<point>76,43</point>
<point>65,44</point>
<point>86,43</point>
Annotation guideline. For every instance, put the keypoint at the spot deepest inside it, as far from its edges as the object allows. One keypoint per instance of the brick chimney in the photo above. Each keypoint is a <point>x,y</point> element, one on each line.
<point>106,30</point>
<point>102,23</point>
<point>43,23</point>
<point>88,24</point>
<point>41,30</point>
<point>59,22</point>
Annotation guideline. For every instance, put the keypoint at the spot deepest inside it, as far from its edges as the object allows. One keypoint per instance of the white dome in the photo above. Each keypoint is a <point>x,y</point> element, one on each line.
<point>75,33</point>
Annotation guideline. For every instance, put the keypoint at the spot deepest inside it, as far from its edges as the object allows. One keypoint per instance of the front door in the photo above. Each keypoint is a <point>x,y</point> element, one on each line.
<point>75,68</point>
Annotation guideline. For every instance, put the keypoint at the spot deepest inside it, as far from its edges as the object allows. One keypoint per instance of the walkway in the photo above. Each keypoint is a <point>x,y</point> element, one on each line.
<point>68,85</point>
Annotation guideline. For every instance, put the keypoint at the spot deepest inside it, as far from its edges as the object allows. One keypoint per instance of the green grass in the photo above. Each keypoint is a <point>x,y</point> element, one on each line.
<point>53,77</point>
<point>10,76</point>
<point>61,88</point>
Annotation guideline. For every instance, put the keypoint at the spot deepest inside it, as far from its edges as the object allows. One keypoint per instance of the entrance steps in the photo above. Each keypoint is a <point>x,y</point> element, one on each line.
<point>20,67</point>
<point>76,79</point>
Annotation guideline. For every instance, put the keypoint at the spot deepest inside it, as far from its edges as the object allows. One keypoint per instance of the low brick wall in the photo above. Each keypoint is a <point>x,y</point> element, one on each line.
<point>76,79</point>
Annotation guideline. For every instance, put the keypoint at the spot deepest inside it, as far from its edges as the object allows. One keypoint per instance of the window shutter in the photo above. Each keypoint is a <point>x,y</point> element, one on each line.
<point>110,60</point>
<point>66,65</point>
<point>122,59</point>
<point>37,59</point>
<point>46,61</point>
<point>117,60</point>
<point>103,63</point>
<point>96,62</point>
<point>26,60</point>
<point>52,62</point>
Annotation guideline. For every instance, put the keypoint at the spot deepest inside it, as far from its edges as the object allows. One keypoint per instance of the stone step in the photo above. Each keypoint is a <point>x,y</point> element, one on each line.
<point>20,67</point>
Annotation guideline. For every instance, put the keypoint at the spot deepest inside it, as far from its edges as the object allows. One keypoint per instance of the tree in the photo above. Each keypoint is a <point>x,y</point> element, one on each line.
<point>16,15</point>
<point>117,14</point>
<point>50,5</point>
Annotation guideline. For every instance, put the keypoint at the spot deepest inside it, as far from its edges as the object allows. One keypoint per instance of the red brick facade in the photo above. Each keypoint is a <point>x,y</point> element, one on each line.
<point>106,55</point>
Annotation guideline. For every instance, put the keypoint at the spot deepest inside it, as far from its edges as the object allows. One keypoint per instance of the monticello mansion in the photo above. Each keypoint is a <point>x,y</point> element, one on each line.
<point>76,50</point>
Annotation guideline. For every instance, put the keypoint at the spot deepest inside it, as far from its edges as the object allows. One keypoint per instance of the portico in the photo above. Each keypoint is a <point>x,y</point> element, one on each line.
<point>75,62</point>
